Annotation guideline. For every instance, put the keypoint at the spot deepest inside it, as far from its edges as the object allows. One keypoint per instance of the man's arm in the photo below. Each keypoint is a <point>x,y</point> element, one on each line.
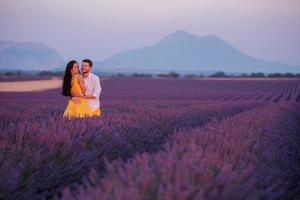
<point>73,98</point>
<point>97,89</point>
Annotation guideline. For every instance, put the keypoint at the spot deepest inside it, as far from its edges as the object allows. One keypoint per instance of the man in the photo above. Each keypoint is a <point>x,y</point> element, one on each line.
<point>92,87</point>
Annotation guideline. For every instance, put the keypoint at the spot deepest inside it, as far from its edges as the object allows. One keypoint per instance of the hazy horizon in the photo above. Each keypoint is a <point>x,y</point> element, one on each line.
<point>267,29</point>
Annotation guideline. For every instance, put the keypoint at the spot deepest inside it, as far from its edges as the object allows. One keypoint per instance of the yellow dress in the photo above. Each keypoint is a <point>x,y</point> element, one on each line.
<point>82,109</point>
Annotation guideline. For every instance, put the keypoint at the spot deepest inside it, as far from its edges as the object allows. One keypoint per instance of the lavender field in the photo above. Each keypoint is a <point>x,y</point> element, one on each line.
<point>157,138</point>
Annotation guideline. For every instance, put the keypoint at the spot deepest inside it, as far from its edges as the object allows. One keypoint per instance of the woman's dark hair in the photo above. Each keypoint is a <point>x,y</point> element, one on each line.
<point>66,87</point>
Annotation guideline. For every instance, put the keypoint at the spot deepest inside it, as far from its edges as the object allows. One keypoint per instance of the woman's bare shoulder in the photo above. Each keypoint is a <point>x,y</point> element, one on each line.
<point>79,76</point>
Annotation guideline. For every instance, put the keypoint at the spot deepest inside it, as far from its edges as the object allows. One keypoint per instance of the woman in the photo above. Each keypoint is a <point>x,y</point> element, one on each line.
<point>73,83</point>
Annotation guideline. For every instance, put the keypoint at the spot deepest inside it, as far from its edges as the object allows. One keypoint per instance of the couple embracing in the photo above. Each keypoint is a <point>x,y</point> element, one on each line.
<point>83,90</point>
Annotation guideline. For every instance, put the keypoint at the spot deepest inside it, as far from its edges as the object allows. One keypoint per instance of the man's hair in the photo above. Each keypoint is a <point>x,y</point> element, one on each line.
<point>88,61</point>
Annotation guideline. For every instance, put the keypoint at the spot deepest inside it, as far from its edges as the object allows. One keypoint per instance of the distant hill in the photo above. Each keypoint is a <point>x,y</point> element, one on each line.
<point>182,51</point>
<point>28,56</point>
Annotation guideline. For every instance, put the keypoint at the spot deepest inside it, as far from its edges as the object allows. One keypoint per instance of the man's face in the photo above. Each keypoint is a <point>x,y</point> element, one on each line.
<point>85,67</point>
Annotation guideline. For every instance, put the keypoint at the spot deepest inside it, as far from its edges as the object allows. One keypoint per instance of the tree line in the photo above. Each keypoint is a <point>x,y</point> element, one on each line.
<point>171,74</point>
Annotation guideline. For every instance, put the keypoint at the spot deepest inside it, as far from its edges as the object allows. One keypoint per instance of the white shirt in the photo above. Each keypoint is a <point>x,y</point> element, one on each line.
<point>92,87</point>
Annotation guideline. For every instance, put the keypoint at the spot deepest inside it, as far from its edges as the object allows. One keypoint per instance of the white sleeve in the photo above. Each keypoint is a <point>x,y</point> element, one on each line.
<point>97,87</point>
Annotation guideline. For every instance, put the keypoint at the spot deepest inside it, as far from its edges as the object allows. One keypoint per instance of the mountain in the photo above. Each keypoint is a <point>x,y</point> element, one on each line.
<point>28,56</point>
<point>185,52</point>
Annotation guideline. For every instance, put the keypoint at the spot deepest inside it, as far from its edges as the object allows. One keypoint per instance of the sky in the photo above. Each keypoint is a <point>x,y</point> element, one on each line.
<point>96,29</point>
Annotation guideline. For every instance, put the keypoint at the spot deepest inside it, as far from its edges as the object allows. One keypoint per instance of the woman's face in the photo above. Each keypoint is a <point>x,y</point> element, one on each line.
<point>75,69</point>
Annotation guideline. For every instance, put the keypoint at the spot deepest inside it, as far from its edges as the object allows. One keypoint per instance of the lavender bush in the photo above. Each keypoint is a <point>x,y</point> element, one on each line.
<point>251,155</point>
<point>42,154</point>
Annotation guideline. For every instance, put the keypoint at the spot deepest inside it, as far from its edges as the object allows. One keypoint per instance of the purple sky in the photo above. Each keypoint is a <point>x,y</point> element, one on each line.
<point>268,29</point>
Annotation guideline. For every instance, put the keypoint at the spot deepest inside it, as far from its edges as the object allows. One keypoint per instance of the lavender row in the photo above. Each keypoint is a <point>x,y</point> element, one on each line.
<point>252,155</point>
<point>41,153</point>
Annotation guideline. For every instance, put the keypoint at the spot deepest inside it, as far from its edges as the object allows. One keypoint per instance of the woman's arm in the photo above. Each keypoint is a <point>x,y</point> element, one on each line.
<point>81,83</point>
